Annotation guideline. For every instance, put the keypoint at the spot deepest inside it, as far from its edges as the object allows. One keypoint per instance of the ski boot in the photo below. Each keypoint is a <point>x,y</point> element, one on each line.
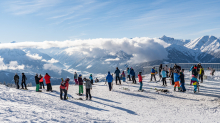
<point>174,88</point>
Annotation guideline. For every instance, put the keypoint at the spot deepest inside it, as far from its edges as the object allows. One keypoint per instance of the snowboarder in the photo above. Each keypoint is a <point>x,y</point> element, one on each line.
<point>140,81</point>
<point>182,81</point>
<point>37,82</point>
<point>133,75</point>
<point>117,72</point>
<point>128,72</point>
<point>64,88</point>
<point>163,75</point>
<point>23,81</point>
<point>75,79</point>
<point>87,88</point>
<point>48,83</point>
<point>80,84</point>
<point>91,79</point>
<point>123,76</point>
<point>176,80</point>
<point>41,81</point>
<point>153,74</point>
<point>195,83</point>
<point>201,73</point>
<point>109,79</point>
<point>16,79</point>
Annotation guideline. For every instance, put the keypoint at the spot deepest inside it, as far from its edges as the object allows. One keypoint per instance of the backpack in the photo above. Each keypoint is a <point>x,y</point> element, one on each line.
<point>63,83</point>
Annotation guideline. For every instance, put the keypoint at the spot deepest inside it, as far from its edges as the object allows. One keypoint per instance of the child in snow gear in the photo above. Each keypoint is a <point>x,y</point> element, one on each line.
<point>16,79</point>
<point>88,87</point>
<point>123,76</point>
<point>117,72</point>
<point>37,83</point>
<point>153,74</point>
<point>182,81</point>
<point>80,84</point>
<point>41,81</point>
<point>195,83</point>
<point>163,74</point>
<point>109,79</point>
<point>75,79</point>
<point>133,75</point>
<point>64,88</point>
<point>91,79</point>
<point>128,72</point>
<point>47,81</point>
<point>140,81</point>
<point>201,73</point>
<point>176,80</point>
<point>23,81</point>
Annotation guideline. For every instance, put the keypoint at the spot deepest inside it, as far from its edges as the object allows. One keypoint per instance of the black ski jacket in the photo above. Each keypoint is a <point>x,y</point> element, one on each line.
<point>36,79</point>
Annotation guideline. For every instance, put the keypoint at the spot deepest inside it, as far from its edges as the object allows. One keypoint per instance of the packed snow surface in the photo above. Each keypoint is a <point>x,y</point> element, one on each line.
<point>123,104</point>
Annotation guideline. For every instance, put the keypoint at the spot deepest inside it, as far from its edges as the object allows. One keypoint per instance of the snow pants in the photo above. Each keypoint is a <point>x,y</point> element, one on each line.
<point>129,78</point>
<point>41,83</point>
<point>195,88</point>
<point>37,87</point>
<point>123,78</point>
<point>80,89</point>
<point>17,84</point>
<point>177,84</point>
<point>141,84</point>
<point>201,77</point>
<point>24,85</point>
<point>164,81</point>
<point>118,78</point>
<point>49,88</point>
<point>61,93</point>
<point>76,82</point>
<point>91,81</point>
<point>183,87</point>
<point>133,79</point>
<point>110,86</point>
<point>153,75</point>
<point>88,94</point>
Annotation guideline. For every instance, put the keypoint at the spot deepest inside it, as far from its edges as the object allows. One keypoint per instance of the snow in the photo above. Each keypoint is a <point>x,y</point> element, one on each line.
<point>117,106</point>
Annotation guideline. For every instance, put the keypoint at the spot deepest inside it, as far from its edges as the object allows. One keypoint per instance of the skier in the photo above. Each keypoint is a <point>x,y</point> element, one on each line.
<point>153,74</point>
<point>37,82</point>
<point>117,72</point>
<point>48,83</point>
<point>23,81</point>
<point>140,81</point>
<point>87,88</point>
<point>64,88</point>
<point>80,85</point>
<point>16,79</point>
<point>109,79</point>
<point>41,81</point>
<point>182,80</point>
<point>75,78</point>
<point>123,76</point>
<point>128,71</point>
<point>133,75</point>
<point>176,80</point>
<point>201,73</point>
<point>91,79</point>
<point>195,82</point>
<point>163,75</point>
<point>160,69</point>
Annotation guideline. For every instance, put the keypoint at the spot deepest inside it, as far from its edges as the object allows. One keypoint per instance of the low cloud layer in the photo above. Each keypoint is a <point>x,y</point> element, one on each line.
<point>143,49</point>
<point>13,65</point>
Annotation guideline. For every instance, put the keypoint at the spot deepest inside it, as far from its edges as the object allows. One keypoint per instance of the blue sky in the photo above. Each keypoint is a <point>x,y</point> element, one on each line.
<point>40,20</point>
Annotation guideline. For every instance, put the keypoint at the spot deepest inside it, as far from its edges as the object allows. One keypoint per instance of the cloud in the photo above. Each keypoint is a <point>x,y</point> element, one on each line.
<point>116,59</point>
<point>13,65</point>
<point>34,56</point>
<point>51,61</point>
<point>52,67</point>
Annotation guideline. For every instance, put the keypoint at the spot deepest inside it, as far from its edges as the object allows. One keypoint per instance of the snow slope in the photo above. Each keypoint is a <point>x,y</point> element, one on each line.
<point>117,106</point>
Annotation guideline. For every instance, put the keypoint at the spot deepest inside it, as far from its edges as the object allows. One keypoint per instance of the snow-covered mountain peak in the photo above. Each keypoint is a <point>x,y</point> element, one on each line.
<point>171,40</point>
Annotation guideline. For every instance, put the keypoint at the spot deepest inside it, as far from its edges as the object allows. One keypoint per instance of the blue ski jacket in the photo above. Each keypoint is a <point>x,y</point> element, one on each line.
<point>164,74</point>
<point>176,77</point>
<point>109,78</point>
<point>128,71</point>
<point>90,77</point>
<point>132,72</point>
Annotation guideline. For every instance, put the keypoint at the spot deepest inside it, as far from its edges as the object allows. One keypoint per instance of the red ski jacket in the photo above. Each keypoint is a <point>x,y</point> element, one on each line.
<point>140,78</point>
<point>66,85</point>
<point>41,79</point>
<point>47,79</point>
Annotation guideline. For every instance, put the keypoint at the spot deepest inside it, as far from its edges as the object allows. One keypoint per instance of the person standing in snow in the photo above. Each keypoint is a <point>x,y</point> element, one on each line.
<point>48,83</point>
<point>80,84</point>
<point>153,74</point>
<point>88,88</point>
<point>76,78</point>
<point>171,76</point>
<point>160,69</point>
<point>41,81</point>
<point>117,72</point>
<point>176,80</point>
<point>23,81</point>
<point>182,80</point>
<point>166,69</point>
<point>140,81</point>
<point>128,72</point>
<point>163,75</point>
<point>109,79</point>
<point>64,88</point>
<point>123,76</point>
<point>91,79</point>
<point>37,83</point>
<point>133,75</point>
<point>201,73</point>
<point>16,79</point>
<point>195,83</point>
